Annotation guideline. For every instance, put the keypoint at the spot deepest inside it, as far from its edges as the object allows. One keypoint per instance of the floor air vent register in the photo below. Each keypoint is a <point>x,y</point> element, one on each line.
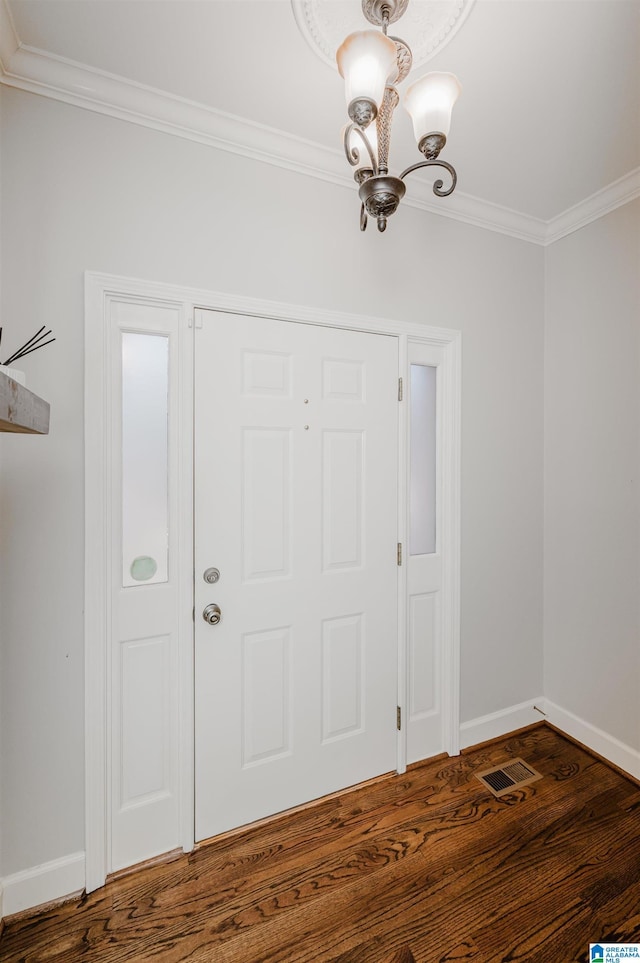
<point>510,775</point>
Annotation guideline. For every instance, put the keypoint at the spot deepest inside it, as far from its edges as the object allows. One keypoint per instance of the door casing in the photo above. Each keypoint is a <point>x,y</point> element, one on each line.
<point>100,292</point>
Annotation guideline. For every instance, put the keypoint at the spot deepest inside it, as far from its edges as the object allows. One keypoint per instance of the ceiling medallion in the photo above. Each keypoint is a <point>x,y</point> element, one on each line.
<point>428,25</point>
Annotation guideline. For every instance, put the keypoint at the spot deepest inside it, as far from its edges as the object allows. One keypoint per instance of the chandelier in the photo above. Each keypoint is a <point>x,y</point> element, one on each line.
<point>371,64</point>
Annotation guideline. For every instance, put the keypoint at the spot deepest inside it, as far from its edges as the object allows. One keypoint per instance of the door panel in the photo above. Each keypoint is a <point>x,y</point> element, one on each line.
<point>342,499</point>
<point>296,505</point>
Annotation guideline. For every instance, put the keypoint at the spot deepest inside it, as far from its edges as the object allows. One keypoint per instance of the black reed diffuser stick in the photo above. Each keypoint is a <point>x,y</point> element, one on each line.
<point>27,344</point>
<point>35,342</point>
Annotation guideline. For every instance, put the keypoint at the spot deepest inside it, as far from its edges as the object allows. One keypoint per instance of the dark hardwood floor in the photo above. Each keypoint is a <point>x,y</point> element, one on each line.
<point>426,867</point>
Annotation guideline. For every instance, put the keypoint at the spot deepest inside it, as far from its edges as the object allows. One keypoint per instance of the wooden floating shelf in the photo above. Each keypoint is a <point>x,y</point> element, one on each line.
<point>20,410</point>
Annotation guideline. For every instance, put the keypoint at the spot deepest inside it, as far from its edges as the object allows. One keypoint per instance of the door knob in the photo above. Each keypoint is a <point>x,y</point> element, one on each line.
<point>212,614</point>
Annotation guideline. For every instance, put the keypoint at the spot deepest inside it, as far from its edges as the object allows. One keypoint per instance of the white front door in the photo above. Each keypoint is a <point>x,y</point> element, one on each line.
<point>296,455</point>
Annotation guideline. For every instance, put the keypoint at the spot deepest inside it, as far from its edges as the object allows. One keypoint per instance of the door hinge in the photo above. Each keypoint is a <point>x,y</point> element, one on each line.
<point>399,554</point>
<point>398,718</point>
<point>399,389</point>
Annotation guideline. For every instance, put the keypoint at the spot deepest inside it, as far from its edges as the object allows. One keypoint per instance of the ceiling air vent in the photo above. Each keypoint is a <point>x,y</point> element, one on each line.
<point>508,776</point>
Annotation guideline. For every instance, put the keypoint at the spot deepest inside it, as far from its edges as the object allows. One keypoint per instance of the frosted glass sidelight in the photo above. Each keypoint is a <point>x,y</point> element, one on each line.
<point>422,443</point>
<point>145,458</point>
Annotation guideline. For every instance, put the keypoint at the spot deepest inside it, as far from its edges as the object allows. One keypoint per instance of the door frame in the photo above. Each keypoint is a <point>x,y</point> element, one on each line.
<point>100,291</point>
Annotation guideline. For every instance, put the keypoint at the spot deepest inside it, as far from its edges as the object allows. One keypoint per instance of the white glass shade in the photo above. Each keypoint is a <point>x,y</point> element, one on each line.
<point>355,141</point>
<point>365,60</point>
<point>430,101</point>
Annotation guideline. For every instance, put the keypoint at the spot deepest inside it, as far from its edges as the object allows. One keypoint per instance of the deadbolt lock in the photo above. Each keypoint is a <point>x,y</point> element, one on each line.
<point>211,575</point>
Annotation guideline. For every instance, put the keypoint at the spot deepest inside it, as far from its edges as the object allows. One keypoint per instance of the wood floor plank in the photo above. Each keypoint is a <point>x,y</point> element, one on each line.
<point>397,891</point>
<point>342,826</point>
<point>620,914</point>
<point>428,863</point>
<point>403,955</point>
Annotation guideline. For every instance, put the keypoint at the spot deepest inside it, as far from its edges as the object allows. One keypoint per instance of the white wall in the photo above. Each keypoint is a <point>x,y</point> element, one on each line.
<point>592,474</point>
<point>1,659</point>
<point>82,191</point>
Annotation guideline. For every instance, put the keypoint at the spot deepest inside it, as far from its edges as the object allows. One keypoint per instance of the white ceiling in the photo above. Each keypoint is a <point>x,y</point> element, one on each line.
<point>549,113</point>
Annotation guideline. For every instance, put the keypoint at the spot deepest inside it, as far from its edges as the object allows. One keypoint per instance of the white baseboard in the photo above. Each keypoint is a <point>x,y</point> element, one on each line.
<point>500,723</point>
<point>42,884</point>
<point>507,720</point>
<point>605,745</point>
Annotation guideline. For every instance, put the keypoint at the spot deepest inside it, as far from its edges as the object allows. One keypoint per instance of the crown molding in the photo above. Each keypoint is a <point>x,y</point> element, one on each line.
<point>9,41</point>
<point>51,76</point>
<point>39,72</point>
<point>620,192</point>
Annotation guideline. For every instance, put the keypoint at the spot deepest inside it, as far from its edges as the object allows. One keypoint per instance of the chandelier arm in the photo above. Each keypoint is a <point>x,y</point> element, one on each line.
<point>437,186</point>
<point>353,154</point>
